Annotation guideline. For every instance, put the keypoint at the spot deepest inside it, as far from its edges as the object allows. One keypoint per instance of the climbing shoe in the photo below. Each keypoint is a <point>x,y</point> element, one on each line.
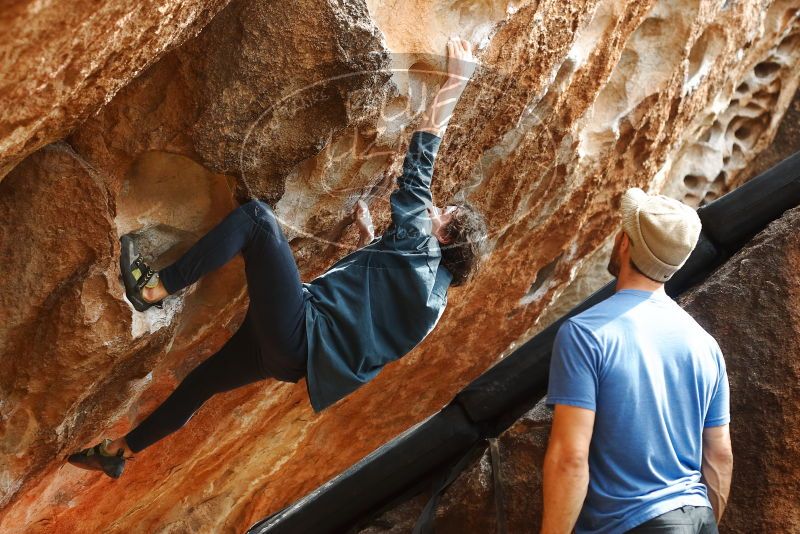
<point>136,274</point>
<point>98,459</point>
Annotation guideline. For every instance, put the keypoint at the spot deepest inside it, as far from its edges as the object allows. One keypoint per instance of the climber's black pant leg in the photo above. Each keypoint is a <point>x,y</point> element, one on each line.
<point>277,303</point>
<point>272,339</point>
<point>236,364</point>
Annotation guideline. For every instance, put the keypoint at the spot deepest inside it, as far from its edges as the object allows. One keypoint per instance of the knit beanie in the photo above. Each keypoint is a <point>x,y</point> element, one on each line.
<point>662,231</point>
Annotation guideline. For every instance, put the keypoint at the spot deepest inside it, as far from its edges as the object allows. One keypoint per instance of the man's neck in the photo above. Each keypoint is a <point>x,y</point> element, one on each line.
<point>630,279</point>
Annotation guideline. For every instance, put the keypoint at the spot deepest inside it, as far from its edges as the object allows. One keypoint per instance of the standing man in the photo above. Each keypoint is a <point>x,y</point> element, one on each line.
<point>640,439</point>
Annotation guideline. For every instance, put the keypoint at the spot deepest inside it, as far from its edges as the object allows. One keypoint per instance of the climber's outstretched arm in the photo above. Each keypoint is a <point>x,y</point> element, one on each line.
<point>460,66</point>
<point>412,199</point>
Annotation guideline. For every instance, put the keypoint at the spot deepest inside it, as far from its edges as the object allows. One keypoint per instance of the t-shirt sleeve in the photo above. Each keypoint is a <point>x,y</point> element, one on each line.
<point>719,410</point>
<point>574,368</point>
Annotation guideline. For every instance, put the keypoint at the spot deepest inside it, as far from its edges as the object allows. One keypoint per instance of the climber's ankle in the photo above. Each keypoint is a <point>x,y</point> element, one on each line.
<point>154,294</point>
<point>112,448</point>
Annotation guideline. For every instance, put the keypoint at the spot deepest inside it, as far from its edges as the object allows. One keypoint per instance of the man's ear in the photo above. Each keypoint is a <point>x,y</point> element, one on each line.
<point>624,251</point>
<point>444,240</point>
<point>625,243</point>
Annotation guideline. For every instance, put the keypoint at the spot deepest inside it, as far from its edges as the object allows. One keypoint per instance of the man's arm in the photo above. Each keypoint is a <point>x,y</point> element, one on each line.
<point>717,466</point>
<point>412,197</point>
<point>573,390</point>
<point>566,468</point>
<point>460,66</point>
<point>363,219</point>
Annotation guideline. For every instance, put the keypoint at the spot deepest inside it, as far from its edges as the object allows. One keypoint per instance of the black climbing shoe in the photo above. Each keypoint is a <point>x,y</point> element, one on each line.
<point>96,459</point>
<point>135,274</point>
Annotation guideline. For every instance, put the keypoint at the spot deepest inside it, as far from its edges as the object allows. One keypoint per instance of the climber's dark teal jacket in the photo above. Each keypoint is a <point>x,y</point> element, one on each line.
<point>379,302</point>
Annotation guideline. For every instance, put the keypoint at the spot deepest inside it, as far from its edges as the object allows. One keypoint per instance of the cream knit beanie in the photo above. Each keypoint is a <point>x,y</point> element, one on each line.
<point>662,231</point>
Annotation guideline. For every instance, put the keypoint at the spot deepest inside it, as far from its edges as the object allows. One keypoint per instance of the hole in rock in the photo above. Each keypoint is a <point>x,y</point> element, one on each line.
<point>556,88</point>
<point>743,132</point>
<point>625,136</point>
<point>692,199</point>
<point>790,15</point>
<point>705,51</point>
<point>692,181</point>
<point>753,109</point>
<point>716,189</point>
<point>641,149</point>
<point>767,99</point>
<point>766,68</point>
<point>542,276</point>
<point>424,68</point>
<point>674,108</point>
<point>746,130</point>
<point>169,201</point>
<point>743,88</point>
<point>789,44</point>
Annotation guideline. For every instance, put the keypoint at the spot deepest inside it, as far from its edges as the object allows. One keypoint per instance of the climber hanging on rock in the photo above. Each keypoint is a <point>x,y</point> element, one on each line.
<point>371,308</point>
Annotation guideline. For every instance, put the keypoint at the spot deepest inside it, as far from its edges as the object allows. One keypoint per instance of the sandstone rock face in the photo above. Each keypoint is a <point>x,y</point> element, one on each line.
<point>61,63</point>
<point>751,305</point>
<point>309,105</point>
<point>786,143</point>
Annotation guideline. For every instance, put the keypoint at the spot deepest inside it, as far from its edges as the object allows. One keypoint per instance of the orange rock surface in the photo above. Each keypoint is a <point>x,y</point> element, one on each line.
<point>60,63</point>
<point>308,105</point>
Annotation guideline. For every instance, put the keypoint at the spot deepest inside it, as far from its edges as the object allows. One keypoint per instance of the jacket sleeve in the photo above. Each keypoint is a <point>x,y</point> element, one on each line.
<point>412,198</point>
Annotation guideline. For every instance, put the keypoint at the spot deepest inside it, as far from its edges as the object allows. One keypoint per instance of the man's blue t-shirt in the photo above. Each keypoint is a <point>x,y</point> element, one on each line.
<point>654,379</point>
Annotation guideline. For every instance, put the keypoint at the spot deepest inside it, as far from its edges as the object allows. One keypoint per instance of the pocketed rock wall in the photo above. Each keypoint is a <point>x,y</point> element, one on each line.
<point>309,105</point>
<point>751,305</point>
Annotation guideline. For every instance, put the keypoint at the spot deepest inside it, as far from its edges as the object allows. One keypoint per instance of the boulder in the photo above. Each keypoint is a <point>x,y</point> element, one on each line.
<point>751,306</point>
<point>309,105</point>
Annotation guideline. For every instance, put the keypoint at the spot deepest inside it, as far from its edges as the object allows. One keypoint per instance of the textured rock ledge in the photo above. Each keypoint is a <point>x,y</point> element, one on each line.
<point>293,102</point>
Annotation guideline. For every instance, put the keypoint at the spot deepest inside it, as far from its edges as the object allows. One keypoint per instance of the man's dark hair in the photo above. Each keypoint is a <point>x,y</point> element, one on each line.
<point>466,234</point>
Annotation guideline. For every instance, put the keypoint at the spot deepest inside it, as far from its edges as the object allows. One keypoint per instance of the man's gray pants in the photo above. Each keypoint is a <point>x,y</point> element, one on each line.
<point>684,520</point>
